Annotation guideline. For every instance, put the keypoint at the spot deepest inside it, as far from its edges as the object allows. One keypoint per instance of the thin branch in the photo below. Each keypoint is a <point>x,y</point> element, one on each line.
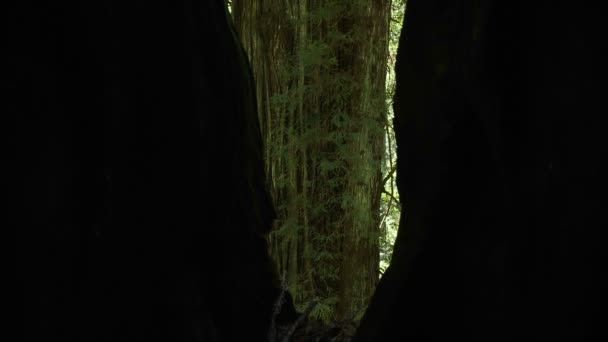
<point>389,175</point>
<point>393,166</point>
<point>390,155</point>
<point>277,308</point>
<point>387,212</point>
<point>391,196</point>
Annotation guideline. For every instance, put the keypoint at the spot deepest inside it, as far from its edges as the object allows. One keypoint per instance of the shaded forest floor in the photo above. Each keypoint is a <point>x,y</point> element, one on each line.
<point>317,331</point>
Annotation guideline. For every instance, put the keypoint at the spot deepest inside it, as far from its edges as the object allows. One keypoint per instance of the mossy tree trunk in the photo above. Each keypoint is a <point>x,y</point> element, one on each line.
<point>320,69</point>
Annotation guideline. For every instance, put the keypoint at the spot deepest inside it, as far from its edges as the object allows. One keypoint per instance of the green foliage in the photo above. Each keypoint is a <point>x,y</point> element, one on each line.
<point>329,144</point>
<point>390,207</point>
<point>324,309</point>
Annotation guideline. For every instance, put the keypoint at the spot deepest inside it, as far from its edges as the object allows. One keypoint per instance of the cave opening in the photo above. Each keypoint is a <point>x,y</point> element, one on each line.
<point>190,172</point>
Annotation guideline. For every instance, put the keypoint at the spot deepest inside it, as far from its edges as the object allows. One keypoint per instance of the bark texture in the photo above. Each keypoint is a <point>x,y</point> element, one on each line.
<point>320,68</point>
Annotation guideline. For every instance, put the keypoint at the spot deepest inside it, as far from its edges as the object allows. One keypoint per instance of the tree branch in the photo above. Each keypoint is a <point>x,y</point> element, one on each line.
<point>391,196</point>
<point>389,175</point>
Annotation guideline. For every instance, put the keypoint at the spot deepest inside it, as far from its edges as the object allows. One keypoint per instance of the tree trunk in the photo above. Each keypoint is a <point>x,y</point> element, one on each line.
<point>498,142</point>
<point>136,178</point>
<point>320,68</point>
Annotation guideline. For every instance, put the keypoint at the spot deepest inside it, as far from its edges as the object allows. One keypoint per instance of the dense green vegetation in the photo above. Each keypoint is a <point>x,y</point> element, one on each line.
<point>324,83</point>
<point>390,204</point>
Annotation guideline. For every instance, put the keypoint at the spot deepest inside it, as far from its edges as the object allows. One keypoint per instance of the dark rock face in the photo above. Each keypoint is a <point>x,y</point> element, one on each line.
<point>501,171</point>
<point>135,174</point>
